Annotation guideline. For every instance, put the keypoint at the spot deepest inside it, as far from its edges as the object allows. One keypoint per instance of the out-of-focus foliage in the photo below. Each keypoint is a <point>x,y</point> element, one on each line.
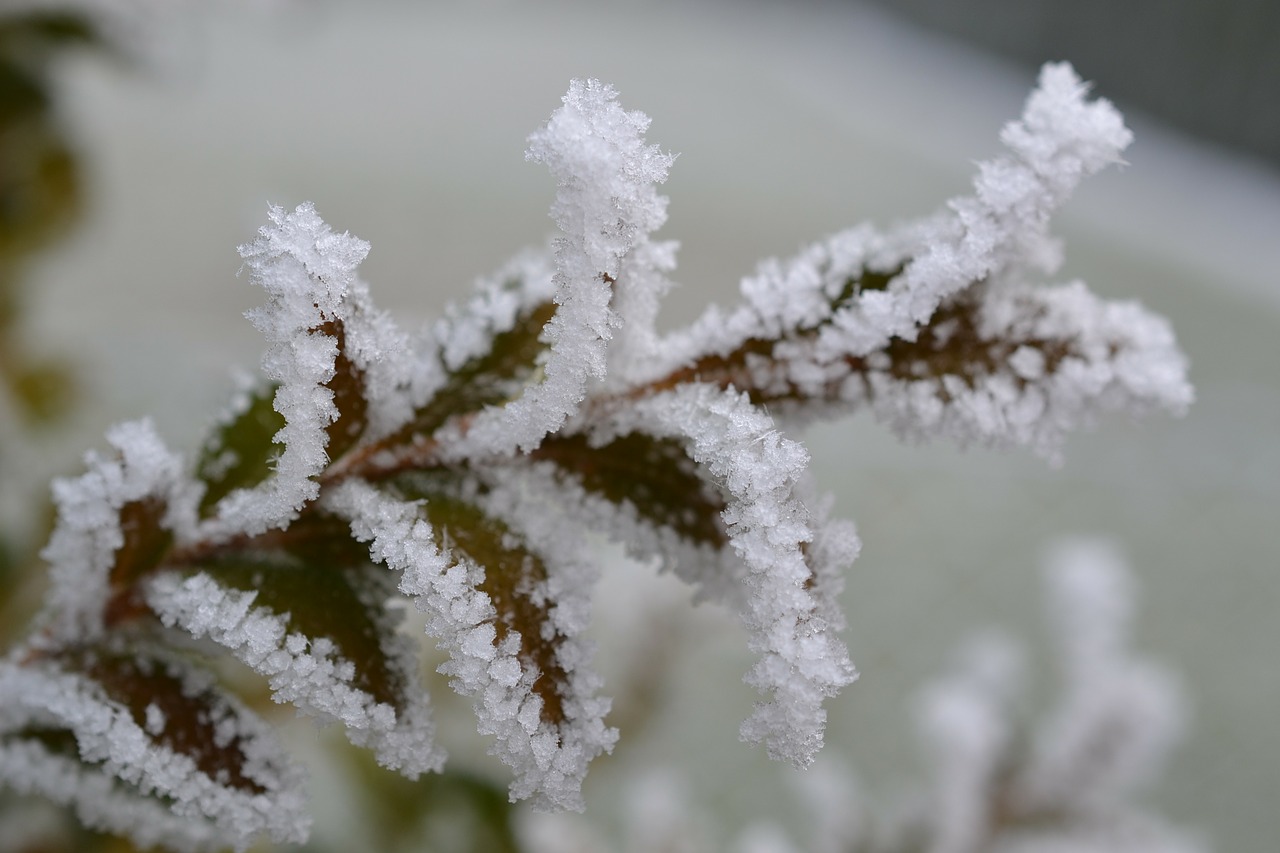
<point>41,192</point>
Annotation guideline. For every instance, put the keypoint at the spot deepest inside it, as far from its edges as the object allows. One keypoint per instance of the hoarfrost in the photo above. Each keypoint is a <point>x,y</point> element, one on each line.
<point>936,327</point>
<point>549,761</point>
<point>837,310</point>
<point>1064,783</point>
<point>309,275</point>
<point>122,768</point>
<point>605,208</point>
<point>82,550</point>
<point>307,672</point>
<point>802,661</point>
<point>1113,726</point>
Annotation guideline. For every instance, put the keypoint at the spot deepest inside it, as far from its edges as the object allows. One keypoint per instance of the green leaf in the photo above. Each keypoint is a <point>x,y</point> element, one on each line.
<point>655,475</point>
<point>241,452</point>
<point>866,281</point>
<point>490,379</point>
<point>315,573</point>
<point>54,740</point>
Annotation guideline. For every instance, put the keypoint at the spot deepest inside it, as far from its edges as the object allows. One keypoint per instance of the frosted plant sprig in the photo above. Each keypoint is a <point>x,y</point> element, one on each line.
<point>459,469</point>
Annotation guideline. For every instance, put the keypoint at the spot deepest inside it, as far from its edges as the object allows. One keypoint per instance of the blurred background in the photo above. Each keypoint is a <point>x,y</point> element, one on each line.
<point>405,123</point>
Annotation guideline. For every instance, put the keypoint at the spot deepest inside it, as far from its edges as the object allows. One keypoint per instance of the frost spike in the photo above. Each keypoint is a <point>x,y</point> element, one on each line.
<point>605,208</point>
<point>327,357</point>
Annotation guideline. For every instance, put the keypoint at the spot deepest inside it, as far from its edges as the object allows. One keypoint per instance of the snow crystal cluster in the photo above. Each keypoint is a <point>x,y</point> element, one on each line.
<point>458,469</point>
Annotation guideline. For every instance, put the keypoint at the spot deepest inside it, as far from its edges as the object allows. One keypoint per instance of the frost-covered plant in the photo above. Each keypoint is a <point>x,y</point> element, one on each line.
<point>463,468</point>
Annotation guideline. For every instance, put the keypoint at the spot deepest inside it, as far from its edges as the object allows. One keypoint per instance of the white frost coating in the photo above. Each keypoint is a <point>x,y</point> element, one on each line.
<point>549,762</point>
<point>205,813</point>
<point>99,800</point>
<point>572,575</point>
<point>802,660</point>
<point>1118,357</point>
<point>309,275</point>
<point>1002,229</point>
<point>605,208</point>
<point>1060,139</point>
<point>82,550</point>
<point>466,331</point>
<point>308,673</point>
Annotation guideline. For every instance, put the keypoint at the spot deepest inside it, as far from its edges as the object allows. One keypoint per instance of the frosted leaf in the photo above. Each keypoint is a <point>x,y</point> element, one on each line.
<point>1042,363</point>
<point>1060,139</point>
<point>224,776</point>
<point>571,576</point>
<point>315,303</point>
<point>645,493</point>
<point>466,331</point>
<point>549,758</point>
<point>605,208</point>
<point>547,405</point>
<point>98,799</point>
<point>310,672</point>
<point>802,661</point>
<point>871,318</point>
<point>89,535</point>
<point>997,366</point>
